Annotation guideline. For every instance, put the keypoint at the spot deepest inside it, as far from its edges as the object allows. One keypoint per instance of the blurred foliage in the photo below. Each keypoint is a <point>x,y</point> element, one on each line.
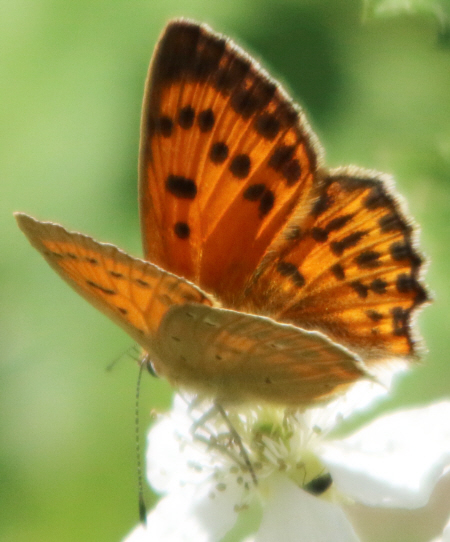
<point>376,90</point>
<point>437,9</point>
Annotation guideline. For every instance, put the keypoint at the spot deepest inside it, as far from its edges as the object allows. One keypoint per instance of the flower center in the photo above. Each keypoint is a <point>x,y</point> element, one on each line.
<point>254,444</point>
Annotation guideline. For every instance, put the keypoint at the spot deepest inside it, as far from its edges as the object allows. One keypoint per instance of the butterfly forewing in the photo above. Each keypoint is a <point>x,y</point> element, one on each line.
<point>133,293</point>
<point>225,158</point>
<point>232,198</point>
<point>234,356</point>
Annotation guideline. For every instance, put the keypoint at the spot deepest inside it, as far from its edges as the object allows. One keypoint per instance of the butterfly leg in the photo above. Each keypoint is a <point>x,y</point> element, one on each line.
<point>212,440</point>
<point>207,415</point>
<point>238,441</point>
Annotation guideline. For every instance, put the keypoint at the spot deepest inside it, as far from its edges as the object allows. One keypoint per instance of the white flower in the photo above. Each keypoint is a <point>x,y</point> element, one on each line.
<point>445,535</point>
<point>310,487</point>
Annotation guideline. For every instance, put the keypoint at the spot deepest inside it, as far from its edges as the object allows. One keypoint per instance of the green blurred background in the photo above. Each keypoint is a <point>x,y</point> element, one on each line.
<point>375,82</point>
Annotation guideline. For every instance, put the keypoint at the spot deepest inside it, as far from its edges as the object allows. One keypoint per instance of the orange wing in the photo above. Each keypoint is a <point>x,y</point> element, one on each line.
<point>224,354</point>
<point>225,158</point>
<point>350,268</point>
<point>232,199</point>
<point>133,293</point>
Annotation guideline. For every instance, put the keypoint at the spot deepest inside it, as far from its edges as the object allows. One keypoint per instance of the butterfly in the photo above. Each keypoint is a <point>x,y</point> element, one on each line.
<point>266,276</point>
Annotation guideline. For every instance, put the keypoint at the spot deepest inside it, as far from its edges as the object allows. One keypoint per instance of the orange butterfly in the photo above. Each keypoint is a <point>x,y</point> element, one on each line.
<point>314,269</point>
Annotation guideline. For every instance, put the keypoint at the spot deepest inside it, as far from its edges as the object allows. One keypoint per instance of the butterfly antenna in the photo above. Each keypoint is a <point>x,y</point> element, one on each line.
<point>114,362</point>
<point>135,353</point>
<point>142,505</point>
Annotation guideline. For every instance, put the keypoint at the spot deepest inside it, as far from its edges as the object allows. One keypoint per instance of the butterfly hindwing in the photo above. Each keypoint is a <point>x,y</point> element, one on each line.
<point>233,357</point>
<point>225,157</point>
<point>350,268</point>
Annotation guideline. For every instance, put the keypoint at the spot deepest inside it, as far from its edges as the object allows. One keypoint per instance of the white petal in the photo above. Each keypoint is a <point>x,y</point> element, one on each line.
<point>360,396</point>
<point>170,461</point>
<point>164,460</point>
<point>396,460</point>
<point>292,515</point>
<point>445,534</point>
<point>138,534</point>
<point>188,514</point>
<point>165,463</point>
<point>424,524</point>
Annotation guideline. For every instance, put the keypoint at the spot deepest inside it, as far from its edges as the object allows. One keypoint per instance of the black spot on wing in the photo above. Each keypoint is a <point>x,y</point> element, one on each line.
<point>281,156</point>
<point>107,291</point>
<point>206,120</point>
<point>378,286</point>
<point>338,223</point>
<point>406,284</point>
<point>267,125</point>
<point>400,321</point>
<point>402,250</point>
<point>338,247</point>
<point>338,271</point>
<point>244,102</point>
<point>319,234</point>
<point>142,283</point>
<point>282,160</point>
<point>254,192</point>
<point>360,288</point>
<point>374,315</point>
<point>219,152</point>
<point>267,202</point>
<point>182,230</point>
<point>186,117</point>
<point>181,187</point>
<point>368,259</point>
<point>392,222</point>
<point>240,166</point>
<point>288,269</point>
<point>292,171</point>
<point>377,198</point>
